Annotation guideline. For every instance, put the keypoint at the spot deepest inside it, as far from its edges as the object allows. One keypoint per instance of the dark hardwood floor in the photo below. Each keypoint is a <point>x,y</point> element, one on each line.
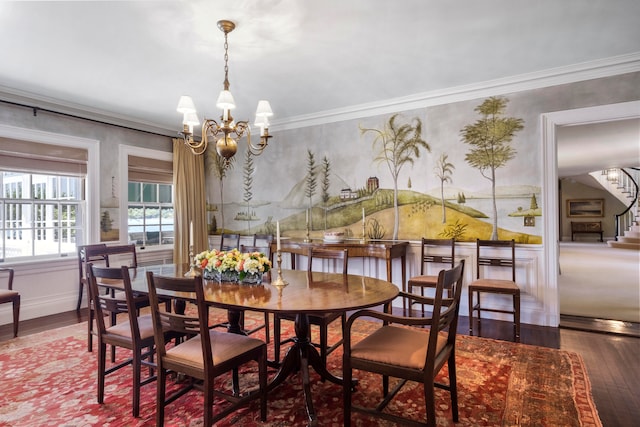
<point>612,359</point>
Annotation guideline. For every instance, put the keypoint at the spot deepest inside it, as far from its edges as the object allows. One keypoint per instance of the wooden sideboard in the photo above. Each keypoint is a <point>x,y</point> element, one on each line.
<point>591,227</point>
<point>387,250</point>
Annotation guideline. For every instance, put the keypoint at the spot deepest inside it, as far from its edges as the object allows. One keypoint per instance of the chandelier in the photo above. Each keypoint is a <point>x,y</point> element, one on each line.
<point>227,132</point>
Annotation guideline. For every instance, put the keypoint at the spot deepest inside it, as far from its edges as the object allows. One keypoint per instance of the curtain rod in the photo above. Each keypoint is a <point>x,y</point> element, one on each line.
<point>46,110</point>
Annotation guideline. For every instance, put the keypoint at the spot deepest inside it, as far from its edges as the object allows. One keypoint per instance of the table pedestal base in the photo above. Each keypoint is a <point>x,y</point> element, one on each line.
<point>300,356</point>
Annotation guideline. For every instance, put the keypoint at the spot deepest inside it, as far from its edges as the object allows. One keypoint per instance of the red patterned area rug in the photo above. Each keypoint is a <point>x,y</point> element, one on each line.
<point>49,379</point>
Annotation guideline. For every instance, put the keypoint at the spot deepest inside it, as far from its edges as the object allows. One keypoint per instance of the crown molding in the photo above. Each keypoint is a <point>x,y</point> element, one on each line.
<point>607,67</point>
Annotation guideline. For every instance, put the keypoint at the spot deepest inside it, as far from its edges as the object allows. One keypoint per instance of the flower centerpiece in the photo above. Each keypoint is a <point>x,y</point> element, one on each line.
<point>252,266</point>
<point>232,265</point>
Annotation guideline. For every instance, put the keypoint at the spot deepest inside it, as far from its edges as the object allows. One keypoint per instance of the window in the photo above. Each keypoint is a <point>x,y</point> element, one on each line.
<point>150,213</point>
<point>44,181</point>
<point>41,214</point>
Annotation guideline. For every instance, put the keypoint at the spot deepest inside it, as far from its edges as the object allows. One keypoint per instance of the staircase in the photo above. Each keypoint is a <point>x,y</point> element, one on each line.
<point>623,184</point>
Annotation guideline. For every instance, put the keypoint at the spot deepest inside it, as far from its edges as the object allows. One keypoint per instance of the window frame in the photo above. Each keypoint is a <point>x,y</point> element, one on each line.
<point>90,218</point>
<point>124,152</point>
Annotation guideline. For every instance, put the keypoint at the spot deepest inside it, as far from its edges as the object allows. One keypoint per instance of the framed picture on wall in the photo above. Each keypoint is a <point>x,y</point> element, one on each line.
<point>585,208</point>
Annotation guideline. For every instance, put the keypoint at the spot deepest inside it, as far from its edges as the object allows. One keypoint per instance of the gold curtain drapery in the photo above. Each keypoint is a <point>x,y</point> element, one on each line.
<point>190,202</point>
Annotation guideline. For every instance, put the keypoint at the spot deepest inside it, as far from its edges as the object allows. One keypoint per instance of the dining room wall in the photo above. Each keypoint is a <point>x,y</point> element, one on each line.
<point>283,190</point>
<point>279,180</point>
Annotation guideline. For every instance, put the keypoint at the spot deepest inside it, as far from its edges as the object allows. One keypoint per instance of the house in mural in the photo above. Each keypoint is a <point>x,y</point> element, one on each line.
<point>347,194</point>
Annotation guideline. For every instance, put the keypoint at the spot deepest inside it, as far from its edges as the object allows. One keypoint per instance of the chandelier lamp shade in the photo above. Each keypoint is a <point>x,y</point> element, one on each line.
<point>227,132</point>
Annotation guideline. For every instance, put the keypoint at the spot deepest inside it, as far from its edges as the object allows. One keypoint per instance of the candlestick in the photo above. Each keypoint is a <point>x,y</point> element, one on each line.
<point>193,272</point>
<point>191,234</point>
<point>279,283</point>
<point>363,215</point>
<point>278,236</point>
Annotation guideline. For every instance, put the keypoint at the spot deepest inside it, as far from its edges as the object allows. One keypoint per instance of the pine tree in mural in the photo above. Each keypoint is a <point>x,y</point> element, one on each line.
<point>400,144</point>
<point>219,166</point>
<point>105,221</point>
<point>444,169</point>
<point>326,169</point>
<point>490,138</point>
<point>247,175</point>
<point>312,183</point>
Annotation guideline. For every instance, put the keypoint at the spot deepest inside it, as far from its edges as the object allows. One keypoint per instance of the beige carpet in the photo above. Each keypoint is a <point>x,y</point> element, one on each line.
<point>598,281</point>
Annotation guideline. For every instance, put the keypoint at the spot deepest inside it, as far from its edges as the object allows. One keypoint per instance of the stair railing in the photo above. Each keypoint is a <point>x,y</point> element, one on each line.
<point>628,184</point>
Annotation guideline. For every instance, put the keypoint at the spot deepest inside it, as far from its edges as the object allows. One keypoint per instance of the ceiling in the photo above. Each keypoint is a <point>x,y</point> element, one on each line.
<point>133,59</point>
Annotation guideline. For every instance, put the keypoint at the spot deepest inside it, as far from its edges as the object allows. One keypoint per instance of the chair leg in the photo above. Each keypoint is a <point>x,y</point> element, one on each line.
<point>429,399</point>
<point>453,386</point>
<point>160,391</point>
<point>16,315</point>
<point>136,366</point>
<point>208,405</point>
<point>102,366</point>
<point>235,381</point>
<point>266,327</point>
<point>470,312</point>
<point>113,354</point>
<point>90,317</point>
<point>346,394</point>
<point>276,338</point>
<point>80,288</point>
<point>516,316</point>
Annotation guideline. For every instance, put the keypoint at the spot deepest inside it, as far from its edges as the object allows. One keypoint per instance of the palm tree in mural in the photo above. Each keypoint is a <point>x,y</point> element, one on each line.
<point>326,169</point>
<point>400,144</point>
<point>490,138</point>
<point>219,166</point>
<point>247,175</point>
<point>312,183</point>
<point>444,169</point>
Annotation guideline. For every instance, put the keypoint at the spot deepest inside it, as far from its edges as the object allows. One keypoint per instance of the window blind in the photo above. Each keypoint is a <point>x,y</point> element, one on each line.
<point>142,169</point>
<point>35,157</point>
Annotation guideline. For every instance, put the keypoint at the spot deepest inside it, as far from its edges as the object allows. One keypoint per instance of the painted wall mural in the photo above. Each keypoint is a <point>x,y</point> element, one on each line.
<point>401,176</point>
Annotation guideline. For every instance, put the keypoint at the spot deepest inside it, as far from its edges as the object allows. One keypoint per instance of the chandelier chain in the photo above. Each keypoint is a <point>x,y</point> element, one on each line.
<point>226,64</point>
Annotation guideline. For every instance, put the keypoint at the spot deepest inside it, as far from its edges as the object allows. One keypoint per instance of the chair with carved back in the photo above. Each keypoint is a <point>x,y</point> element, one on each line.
<point>134,333</point>
<point>431,254</point>
<point>263,241</point>
<point>209,354</point>
<point>407,349</point>
<point>229,241</point>
<point>487,259</point>
<point>102,255</point>
<point>9,295</point>
<point>86,254</point>
<point>321,320</point>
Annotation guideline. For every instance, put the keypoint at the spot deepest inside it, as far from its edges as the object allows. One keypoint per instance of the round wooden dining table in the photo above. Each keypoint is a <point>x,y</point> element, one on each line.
<point>305,293</point>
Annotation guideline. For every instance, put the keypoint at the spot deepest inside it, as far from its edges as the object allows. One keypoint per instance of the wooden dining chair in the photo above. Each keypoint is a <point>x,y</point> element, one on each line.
<point>9,295</point>
<point>431,254</point>
<point>321,320</point>
<point>486,259</point>
<point>135,333</point>
<point>101,255</point>
<point>408,349</point>
<point>229,241</point>
<point>206,356</point>
<point>87,254</point>
<point>262,241</point>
